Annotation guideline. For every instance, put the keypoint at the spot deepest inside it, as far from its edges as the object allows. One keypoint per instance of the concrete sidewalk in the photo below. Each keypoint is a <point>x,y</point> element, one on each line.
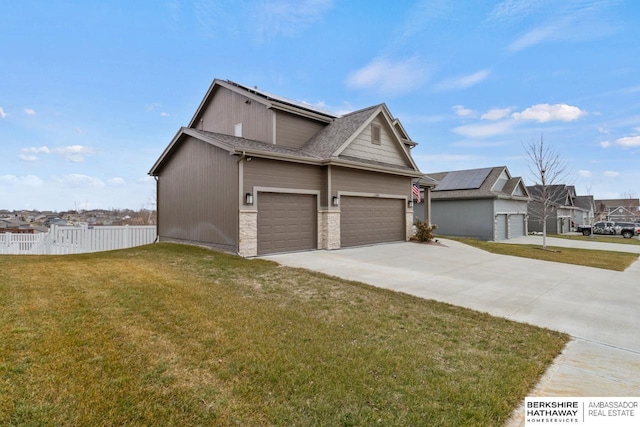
<point>599,308</point>
<point>584,244</point>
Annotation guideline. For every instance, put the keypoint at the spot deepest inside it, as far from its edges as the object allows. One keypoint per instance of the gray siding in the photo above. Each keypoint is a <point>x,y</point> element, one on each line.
<point>510,206</point>
<point>226,108</point>
<point>471,218</point>
<point>293,131</point>
<point>198,196</point>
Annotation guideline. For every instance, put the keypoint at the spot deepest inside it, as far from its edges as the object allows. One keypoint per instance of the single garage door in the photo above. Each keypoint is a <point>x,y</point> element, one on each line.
<point>501,227</point>
<point>287,222</point>
<point>516,226</point>
<point>368,220</point>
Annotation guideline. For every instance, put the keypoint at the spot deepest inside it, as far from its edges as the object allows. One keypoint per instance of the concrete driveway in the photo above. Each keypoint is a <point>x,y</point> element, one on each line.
<point>599,308</point>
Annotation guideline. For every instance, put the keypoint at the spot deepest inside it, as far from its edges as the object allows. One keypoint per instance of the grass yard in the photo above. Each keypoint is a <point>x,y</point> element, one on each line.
<point>609,260</point>
<point>172,335</point>
<point>599,238</point>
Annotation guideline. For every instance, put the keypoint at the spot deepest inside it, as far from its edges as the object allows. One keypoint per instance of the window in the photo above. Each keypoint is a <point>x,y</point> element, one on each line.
<point>237,131</point>
<point>375,134</point>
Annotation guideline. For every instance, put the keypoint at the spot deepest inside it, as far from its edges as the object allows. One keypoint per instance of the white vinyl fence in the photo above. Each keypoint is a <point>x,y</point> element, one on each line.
<point>62,240</point>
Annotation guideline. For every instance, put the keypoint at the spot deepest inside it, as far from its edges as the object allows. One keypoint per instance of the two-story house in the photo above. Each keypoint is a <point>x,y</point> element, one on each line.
<point>255,173</point>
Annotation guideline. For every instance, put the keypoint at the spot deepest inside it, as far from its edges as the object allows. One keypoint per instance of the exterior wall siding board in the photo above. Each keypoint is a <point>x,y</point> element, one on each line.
<point>199,193</point>
<point>278,174</point>
<point>387,151</point>
<point>293,131</point>
<point>470,218</point>
<point>227,108</point>
<point>343,179</point>
<point>511,206</point>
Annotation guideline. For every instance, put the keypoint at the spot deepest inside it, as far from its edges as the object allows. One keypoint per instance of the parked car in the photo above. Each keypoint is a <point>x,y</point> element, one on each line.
<point>626,229</point>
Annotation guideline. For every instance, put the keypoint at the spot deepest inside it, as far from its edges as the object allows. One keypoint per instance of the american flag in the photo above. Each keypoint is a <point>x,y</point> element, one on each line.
<point>416,191</point>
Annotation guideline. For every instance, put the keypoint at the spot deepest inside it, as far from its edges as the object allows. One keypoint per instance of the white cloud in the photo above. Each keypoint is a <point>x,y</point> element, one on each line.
<point>546,113</point>
<point>153,106</point>
<point>29,112</point>
<point>146,180</point>
<point>78,181</point>
<point>287,17</point>
<point>74,153</point>
<point>2,113</point>
<point>535,36</point>
<point>484,130</point>
<point>451,157</point>
<point>28,180</point>
<point>463,82</point>
<point>74,149</point>
<point>27,158</point>
<point>584,173</point>
<point>496,114</point>
<point>514,10</point>
<point>117,182</point>
<point>611,174</point>
<point>605,144</point>
<point>629,141</point>
<point>463,112</point>
<point>604,131</point>
<point>37,150</point>
<point>389,77</point>
<point>164,114</point>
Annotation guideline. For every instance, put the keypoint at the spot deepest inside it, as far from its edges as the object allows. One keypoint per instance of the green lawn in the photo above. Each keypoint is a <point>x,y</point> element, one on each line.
<point>599,238</point>
<point>609,260</point>
<point>172,335</point>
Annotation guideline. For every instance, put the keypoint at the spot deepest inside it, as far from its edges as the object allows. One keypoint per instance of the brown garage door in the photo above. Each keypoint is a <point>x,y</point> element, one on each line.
<point>286,222</point>
<point>367,220</point>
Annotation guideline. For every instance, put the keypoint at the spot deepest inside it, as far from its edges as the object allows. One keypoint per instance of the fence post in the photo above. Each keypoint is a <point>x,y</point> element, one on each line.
<point>49,238</point>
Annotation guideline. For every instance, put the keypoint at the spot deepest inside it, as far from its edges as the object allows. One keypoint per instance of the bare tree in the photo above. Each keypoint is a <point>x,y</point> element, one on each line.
<point>548,171</point>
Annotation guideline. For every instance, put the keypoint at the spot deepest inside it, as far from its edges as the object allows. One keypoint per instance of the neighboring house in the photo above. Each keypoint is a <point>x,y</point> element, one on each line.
<point>618,210</point>
<point>8,225</point>
<point>562,211</point>
<point>487,203</point>
<point>255,173</point>
<point>585,214</point>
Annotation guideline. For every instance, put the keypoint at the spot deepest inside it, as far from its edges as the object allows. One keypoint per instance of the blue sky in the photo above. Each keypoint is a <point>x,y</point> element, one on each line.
<point>91,92</point>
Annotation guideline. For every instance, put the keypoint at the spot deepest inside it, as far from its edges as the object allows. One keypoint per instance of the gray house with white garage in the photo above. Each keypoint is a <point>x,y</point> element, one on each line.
<point>255,173</point>
<point>485,203</point>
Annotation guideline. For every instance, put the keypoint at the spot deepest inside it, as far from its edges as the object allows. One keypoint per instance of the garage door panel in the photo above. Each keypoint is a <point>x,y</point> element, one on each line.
<point>368,220</point>
<point>516,226</point>
<point>286,222</point>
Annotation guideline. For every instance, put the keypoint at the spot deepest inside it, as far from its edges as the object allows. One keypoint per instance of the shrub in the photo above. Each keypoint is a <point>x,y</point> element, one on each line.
<point>424,231</point>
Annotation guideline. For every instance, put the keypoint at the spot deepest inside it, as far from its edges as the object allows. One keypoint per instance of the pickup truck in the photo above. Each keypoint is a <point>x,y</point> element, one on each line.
<point>626,229</point>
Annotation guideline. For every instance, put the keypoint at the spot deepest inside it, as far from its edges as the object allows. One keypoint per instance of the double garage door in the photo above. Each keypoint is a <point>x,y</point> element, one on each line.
<point>509,226</point>
<point>289,222</point>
